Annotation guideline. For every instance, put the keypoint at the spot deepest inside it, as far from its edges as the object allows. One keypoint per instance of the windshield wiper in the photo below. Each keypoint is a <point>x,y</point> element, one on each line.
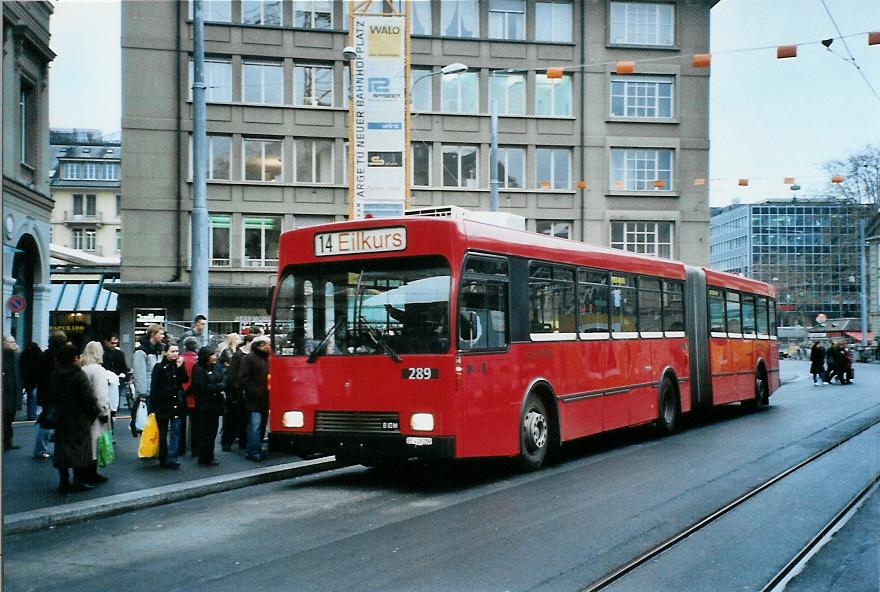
<point>379,339</point>
<point>322,345</point>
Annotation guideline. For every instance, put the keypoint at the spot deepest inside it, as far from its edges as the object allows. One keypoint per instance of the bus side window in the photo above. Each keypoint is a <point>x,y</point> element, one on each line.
<point>771,309</point>
<point>748,314</point>
<point>483,319</point>
<point>673,306</point>
<point>761,317</point>
<point>734,313</point>
<point>716,310</point>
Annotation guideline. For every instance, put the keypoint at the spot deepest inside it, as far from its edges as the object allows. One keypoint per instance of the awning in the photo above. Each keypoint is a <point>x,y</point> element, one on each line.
<point>857,335</point>
<point>81,296</point>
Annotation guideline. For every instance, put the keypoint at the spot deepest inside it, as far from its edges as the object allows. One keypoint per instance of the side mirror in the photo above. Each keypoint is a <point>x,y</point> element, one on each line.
<point>270,292</point>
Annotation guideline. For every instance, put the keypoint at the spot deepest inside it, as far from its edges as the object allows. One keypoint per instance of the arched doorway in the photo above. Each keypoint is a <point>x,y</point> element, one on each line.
<point>25,270</point>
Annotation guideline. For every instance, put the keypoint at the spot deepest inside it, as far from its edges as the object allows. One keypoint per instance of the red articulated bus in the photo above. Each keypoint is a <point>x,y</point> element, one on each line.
<point>425,337</point>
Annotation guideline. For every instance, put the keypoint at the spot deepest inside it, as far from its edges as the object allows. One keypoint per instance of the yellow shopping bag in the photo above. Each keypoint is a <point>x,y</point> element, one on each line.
<point>149,445</point>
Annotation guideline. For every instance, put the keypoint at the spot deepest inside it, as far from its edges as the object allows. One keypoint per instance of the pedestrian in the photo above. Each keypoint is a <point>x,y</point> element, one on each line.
<point>12,389</point>
<point>254,381</point>
<point>30,363</point>
<point>830,361</point>
<point>230,417</point>
<point>91,359</point>
<point>817,363</point>
<point>114,362</point>
<point>199,330</point>
<point>846,374</point>
<point>71,393</point>
<point>168,403</point>
<point>189,355</point>
<point>235,403</point>
<point>48,409</point>
<point>208,383</point>
<point>147,355</point>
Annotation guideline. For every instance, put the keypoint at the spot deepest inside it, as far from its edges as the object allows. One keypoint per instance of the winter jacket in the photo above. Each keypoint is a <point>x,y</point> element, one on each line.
<point>208,383</point>
<point>31,366</point>
<point>70,390</point>
<point>166,389</point>
<point>234,392</point>
<point>99,384</point>
<point>817,360</point>
<point>145,357</point>
<point>12,385</point>
<point>48,364</point>
<point>114,361</point>
<point>254,380</point>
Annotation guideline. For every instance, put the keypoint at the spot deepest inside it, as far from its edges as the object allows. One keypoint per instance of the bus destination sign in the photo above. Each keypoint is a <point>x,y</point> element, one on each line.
<point>358,242</point>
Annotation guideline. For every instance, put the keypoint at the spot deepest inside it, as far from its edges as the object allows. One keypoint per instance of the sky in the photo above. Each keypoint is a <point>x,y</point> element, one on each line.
<point>769,118</point>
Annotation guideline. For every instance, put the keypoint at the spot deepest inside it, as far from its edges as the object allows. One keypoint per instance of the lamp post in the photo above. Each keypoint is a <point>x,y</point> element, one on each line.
<point>199,274</point>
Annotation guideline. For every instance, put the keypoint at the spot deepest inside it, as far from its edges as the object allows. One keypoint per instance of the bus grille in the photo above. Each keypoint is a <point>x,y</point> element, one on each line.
<point>357,422</point>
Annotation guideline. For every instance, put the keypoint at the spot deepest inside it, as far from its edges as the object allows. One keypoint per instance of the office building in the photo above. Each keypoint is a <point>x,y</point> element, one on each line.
<point>277,124</point>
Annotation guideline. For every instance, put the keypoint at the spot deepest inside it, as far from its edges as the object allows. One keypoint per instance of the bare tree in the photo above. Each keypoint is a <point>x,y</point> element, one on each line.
<point>861,176</point>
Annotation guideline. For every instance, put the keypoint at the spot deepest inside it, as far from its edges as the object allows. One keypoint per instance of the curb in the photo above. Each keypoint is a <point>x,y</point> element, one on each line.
<point>32,520</point>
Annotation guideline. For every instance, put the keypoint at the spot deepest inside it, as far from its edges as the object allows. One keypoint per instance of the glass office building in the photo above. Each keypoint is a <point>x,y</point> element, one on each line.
<point>807,248</point>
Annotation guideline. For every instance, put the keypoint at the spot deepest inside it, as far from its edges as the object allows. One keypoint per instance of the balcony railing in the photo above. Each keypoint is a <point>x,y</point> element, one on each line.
<point>71,218</point>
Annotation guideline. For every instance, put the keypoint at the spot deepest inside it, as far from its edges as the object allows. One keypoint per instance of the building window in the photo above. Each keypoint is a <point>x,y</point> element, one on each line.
<point>118,240</point>
<point>70,170</point>
<point>261,12</point>
<point>219,239</point>
<point>642,23</point>
<point>261,236</point>
<point>91,204</point>
<point>84,239</point>
<point>460,18</point>
<point>215,11</point>
<point>118,205</point>
<point>507,19</point>
<point>77,204</point>
<point>553,228</point>
<point>421,164</point>
<point>219,157</point>
<point>314,160</point>
<point>90,171</point>
<point>313,14</point>
<point>262,83</point>
<point>459,166</point>
<point>553,168</point>
<point>218,79</point>
<point>110,172</point>
<point>460,93</point>
<point>641,96</point>
<point>647,238</point>
<point>27,122</point>
<point>263,160</point>
<point>420,17</point>
<point>552,96</point>
<point>553,21</point>
<point>641,169</point>
<point>345,163</point>
<point>511,167</point>
<point>312,86</point>
<point>508,92</point>
<point>420,90</point>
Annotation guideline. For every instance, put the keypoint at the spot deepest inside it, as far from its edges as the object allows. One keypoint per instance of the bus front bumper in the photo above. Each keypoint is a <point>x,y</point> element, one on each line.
<point>363,446</point>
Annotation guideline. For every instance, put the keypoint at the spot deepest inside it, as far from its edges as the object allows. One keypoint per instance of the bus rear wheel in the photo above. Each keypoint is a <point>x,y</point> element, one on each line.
<point>534,434</point>
<point>762,397</point>
<point>667,419</point>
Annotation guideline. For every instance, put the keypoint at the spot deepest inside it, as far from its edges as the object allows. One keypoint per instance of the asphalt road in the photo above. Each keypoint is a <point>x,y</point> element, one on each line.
<point>479,526</point>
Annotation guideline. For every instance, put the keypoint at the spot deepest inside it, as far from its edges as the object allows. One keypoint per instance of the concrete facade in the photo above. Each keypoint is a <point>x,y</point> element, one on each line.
<point>27,203</point>
<point>617,146</point>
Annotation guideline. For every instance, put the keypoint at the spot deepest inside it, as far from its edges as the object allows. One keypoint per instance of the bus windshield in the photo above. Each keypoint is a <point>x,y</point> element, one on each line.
<point>353,308</point>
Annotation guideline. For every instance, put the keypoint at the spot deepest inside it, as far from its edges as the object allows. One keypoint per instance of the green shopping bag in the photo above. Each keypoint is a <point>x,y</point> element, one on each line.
<point>106,453</point>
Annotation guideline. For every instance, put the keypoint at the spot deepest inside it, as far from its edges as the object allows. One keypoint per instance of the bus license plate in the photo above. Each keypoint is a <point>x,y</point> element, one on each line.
<point>420,373</point>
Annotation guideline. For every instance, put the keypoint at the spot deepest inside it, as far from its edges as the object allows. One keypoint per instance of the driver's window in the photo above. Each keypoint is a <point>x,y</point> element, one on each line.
<point>483,305</point>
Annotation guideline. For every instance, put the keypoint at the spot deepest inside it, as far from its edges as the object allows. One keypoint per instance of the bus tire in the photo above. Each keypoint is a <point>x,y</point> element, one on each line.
<point>668,411</point>
<point>761,397</point>
<point>534,434</point>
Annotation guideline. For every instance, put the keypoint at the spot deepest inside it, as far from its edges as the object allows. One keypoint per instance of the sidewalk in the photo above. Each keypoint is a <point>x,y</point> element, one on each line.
<point>30,486</point>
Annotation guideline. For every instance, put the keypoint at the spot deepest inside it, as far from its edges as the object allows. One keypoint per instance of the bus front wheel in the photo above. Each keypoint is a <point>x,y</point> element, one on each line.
<point>534,434</point>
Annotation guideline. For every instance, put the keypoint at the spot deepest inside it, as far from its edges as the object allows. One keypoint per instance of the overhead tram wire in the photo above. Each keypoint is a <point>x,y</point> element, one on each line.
<point>851,56</point>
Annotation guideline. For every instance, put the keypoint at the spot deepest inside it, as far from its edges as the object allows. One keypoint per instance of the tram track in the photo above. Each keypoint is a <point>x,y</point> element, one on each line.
<point>637,562</point>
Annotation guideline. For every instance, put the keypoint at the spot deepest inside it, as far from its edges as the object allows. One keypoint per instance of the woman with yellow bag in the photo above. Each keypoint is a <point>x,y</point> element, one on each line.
<point>167,402</point>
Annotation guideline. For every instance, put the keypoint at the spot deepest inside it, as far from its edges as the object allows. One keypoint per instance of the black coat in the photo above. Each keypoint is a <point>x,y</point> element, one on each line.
<point>817,360</point>
<point>48,364</point>
<point>12,385</point>
<point>254,380</point>
<point>208,384</point>
<point>166,389</point>
<point>71,391</point>
<point>31,366</point>
<point>114,361</point>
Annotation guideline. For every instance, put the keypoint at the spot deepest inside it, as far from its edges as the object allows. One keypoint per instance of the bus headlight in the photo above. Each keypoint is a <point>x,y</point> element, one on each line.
<point>422,422</point>
<point>293,419</point>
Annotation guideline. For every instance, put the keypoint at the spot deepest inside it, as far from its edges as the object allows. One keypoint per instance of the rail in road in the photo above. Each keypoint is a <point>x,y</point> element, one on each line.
<point>791,567</point>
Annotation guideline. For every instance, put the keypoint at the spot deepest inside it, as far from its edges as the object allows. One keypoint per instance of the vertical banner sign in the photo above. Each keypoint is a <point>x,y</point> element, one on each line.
<point>379,116</point>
